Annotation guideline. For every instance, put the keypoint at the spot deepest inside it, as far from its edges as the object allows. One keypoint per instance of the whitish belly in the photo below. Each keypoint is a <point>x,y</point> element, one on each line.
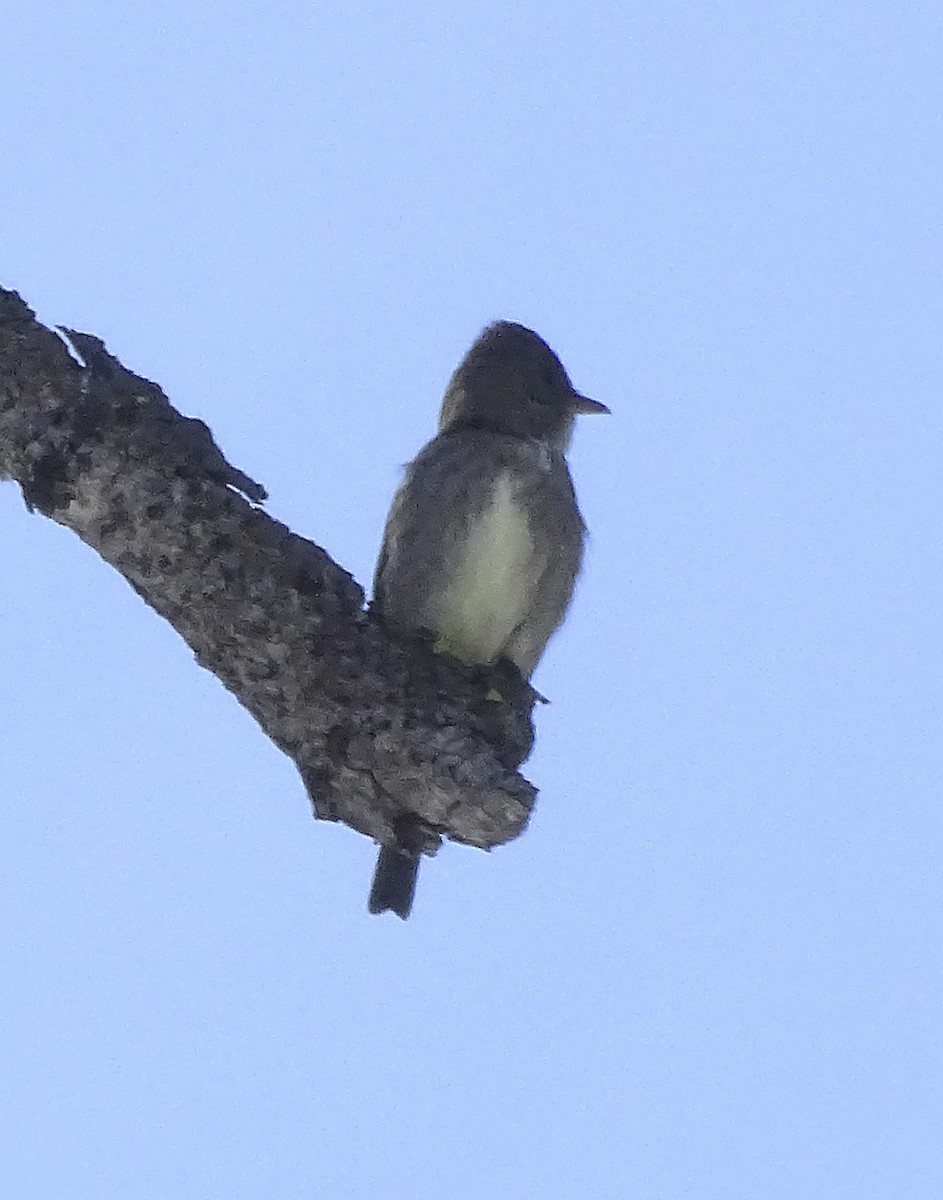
<point>489,592</point>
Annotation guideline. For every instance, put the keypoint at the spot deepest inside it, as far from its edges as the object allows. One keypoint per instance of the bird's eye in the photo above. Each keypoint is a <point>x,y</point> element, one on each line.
<point>536,398</point>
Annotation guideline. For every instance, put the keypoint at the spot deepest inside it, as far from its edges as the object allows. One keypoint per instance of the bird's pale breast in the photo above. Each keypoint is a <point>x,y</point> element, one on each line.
<point>490,586</point>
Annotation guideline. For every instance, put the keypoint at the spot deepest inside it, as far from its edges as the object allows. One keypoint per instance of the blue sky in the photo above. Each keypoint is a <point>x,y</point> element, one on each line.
<point>711,968</point>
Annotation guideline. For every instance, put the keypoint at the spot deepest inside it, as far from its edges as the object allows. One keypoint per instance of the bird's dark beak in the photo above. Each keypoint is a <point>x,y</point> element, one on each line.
<point>583,404</point>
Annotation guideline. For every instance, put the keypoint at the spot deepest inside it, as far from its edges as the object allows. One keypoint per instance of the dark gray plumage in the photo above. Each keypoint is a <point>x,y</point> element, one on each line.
<point>484,538</point>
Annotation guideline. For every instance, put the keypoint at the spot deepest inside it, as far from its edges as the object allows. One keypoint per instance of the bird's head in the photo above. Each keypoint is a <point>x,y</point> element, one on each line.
<point>510,381</point>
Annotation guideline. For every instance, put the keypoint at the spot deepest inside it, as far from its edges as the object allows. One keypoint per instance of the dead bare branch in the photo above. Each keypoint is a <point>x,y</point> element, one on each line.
<point>378,729</point>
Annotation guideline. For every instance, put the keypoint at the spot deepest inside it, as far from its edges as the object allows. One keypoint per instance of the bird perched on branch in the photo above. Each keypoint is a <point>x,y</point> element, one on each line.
<point>484,539</point>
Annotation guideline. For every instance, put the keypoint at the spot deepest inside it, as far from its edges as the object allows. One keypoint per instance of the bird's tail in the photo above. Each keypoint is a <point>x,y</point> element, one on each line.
<point>394,881</point>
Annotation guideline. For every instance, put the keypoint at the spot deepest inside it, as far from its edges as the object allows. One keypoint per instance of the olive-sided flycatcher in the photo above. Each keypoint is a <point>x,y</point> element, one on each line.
<point>484,538</point>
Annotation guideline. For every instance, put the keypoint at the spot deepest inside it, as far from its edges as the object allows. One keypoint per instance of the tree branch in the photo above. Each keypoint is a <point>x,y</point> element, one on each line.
<point>377,728</point>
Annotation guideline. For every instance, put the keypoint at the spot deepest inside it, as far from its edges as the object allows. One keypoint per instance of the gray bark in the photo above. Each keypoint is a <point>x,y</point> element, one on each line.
<point>377,728</point>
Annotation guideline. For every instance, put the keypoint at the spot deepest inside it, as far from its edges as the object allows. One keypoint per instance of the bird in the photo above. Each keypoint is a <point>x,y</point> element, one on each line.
<point>484,538</point>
